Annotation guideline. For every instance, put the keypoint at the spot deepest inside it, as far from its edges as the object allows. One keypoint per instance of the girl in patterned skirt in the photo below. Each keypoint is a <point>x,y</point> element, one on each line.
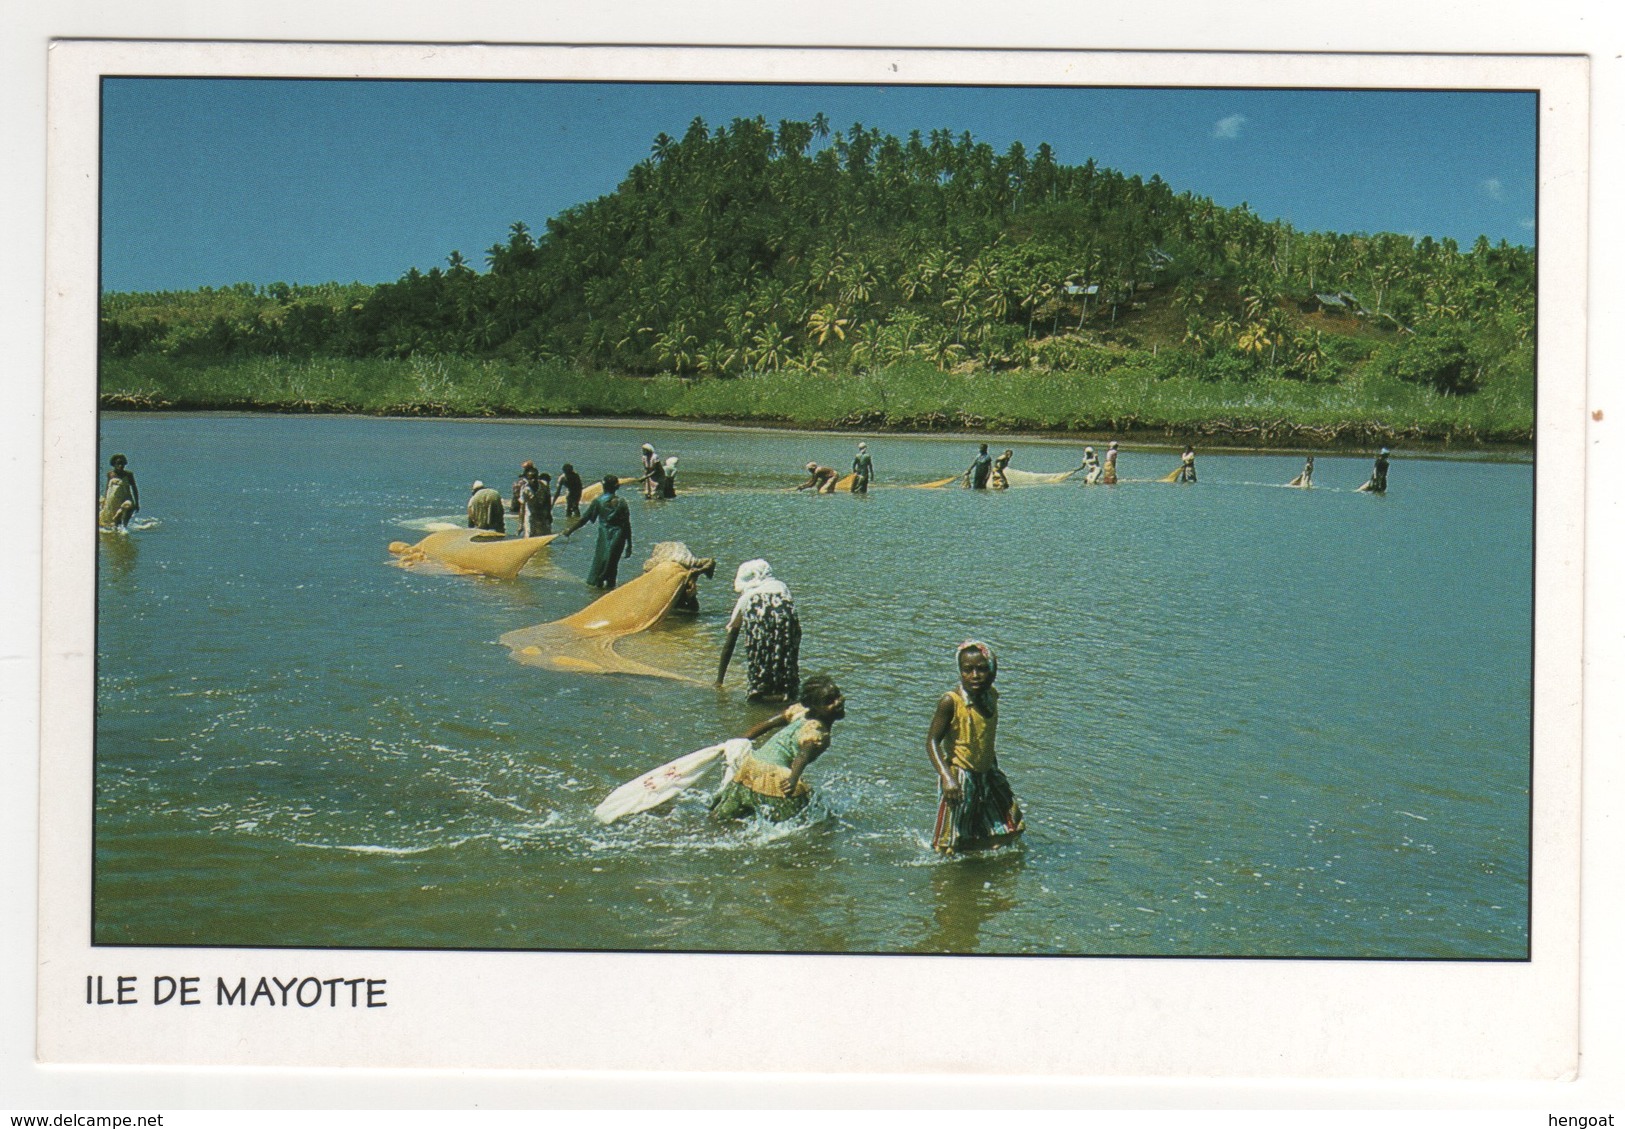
<point>978,810</point>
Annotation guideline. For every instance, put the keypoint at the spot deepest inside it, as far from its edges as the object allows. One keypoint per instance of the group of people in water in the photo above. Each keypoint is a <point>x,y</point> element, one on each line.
<point>977,807</point>
<point>531,501</point>
<point>991,472</point>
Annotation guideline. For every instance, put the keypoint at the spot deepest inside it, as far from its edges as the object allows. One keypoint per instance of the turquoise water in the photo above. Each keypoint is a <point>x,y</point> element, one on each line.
<point>1242,720</point>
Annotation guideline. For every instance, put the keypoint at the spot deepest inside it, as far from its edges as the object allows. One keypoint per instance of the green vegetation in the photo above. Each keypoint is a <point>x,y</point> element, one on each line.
<point>852,279</point>
<point>1122,399</point>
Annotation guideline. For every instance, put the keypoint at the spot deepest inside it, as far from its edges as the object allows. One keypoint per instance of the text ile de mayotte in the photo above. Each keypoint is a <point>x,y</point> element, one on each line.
<point>307,991</point>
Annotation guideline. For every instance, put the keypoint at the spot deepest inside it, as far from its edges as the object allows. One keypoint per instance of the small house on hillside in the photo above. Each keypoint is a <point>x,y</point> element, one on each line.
<point>1342,302</point>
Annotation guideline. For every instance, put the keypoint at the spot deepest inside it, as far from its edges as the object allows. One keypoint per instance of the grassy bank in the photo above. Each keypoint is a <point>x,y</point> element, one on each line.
<point>1129,396</point>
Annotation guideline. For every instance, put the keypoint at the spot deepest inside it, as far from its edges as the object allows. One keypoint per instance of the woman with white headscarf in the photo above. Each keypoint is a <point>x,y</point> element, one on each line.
<point>766,615</point>
<point>651,469</point>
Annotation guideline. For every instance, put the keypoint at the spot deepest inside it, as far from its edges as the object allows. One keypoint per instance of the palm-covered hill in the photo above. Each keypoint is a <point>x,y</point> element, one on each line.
<point>754,249</point>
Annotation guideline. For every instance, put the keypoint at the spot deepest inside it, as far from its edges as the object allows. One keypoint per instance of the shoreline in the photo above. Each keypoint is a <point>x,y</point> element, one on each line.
<point>1152,437</point>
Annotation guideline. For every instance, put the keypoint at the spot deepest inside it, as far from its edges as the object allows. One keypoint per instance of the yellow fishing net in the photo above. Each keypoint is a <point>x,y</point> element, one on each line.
<point>472,550</point>
<point>592,490</point>
<point>585,642</point>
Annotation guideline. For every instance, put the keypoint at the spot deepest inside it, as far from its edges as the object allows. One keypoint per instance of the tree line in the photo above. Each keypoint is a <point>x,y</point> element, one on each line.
<point>757,248</point>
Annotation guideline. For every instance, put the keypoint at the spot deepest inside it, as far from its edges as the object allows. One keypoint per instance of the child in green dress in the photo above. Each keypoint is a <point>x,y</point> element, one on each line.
<point>768,780</point>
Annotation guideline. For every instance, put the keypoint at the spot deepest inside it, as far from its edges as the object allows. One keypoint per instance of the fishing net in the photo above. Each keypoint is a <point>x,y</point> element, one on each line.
<point>658,785</point>
<point>592,490</point>
<point>1028,478</point>
<point>472,550</point>
<point>585,642</point>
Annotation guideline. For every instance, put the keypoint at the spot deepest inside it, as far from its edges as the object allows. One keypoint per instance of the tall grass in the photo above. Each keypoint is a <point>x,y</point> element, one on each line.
<point>1126,396</point>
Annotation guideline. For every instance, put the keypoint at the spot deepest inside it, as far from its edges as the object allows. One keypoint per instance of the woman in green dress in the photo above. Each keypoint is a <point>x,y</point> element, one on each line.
<point>614,520</point>
<point>768,781</point>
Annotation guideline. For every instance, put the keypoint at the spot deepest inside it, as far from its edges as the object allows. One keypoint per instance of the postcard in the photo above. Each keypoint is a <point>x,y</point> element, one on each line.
<point>1069,561</point>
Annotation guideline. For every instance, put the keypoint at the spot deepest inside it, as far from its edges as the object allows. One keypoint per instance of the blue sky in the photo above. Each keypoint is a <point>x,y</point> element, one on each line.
<point>209,182</point>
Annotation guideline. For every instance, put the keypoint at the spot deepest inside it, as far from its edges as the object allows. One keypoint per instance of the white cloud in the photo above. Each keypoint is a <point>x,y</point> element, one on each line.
<point>1493,189</point>
<point>1527,225</point>
<point>1228,129</point>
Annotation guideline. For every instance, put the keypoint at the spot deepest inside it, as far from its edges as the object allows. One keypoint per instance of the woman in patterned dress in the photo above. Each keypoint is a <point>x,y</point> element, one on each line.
<point>1108,473</point>
<point>651,467</point>
<point>766,616</point>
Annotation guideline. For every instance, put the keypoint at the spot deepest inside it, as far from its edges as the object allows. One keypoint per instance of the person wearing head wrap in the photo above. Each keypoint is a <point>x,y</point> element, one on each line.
<point>863,470</point>
<point>1187,464</point>
<point>652,470</point>
<point>120,499</point>
<point>978,810</point>
<point>767,781</point>
<point>569,488</point>
<point>1090,466</point>
<point>1108,473</point>
<point>766,616</point>
<point>820,479</point>
<point>1379,474</point>
<point>668,478</point>
<point>485,508</point>
<point>614,518</point>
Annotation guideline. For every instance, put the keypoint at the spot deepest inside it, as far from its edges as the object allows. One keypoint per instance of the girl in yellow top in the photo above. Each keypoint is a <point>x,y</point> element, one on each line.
<point>978,809</point>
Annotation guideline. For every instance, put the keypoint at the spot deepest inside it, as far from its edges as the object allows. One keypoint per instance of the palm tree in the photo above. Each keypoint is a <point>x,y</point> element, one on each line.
<point>770,348</point>
<point>716,359</point>
<point>1189,295</point>
<point>1196,335</point>
<point>1277,325</point>
<point>1308,353</point>
<point>1254,339</point>
<point>826,322</point>
<point>942,350</point>
<point>868,342</point>
<point>1227,328</point>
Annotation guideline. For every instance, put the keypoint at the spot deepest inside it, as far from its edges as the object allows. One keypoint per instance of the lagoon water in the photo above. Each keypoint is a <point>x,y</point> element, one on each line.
<point>1242,720</point>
